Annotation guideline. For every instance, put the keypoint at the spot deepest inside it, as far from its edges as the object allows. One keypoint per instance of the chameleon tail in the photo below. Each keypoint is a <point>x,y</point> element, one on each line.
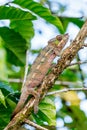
<point>24,95</point>
<point>22,100</point>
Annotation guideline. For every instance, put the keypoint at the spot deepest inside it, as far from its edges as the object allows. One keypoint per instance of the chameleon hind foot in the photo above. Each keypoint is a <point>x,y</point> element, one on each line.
<point>37,97</point>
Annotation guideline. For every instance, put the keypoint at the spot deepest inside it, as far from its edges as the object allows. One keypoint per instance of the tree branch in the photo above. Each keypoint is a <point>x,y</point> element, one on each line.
<point>80,70</point>
<point>34,125</point>
<point>26,68</point>
<point>67,83</point>
<point>78,63</point>
<point>15,80</point>
<point>65,60</point>
<point>66,90</point>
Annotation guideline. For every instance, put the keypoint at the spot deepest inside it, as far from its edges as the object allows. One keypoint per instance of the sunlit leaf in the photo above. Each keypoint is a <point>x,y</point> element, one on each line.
<point>47,112</point>
<point>71,97</point>
<point>15,13</point>
<point>3,69</point>
<point>24,27</point>
<point>67,20</point>
<point>41,11</point>
<point>2,98</point>
<point>14,42</point>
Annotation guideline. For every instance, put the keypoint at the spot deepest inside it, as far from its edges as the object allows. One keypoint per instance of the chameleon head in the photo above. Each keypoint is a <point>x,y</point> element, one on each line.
<point>58,38</point>
<point>64,36</point>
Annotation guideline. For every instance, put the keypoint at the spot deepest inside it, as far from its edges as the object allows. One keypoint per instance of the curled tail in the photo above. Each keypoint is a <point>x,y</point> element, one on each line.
<point>22,100</point>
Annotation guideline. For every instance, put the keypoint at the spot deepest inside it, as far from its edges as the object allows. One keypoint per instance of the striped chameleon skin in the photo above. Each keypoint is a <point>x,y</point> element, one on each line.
<point>39,69</point>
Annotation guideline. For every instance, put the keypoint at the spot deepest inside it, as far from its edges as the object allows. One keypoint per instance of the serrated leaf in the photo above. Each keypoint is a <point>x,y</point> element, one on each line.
<point>47,112</point>
<point>15,13</point>
<point>24,27</point>
<point>2,98</point>
<point>41,11</point>
<point>14,42</point>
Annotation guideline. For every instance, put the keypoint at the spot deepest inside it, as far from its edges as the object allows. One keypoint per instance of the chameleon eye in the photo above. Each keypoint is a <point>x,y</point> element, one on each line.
<point>59,37</point>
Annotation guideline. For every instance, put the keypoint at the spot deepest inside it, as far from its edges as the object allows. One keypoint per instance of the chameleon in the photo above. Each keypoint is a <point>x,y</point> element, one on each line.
<point>39,69</point>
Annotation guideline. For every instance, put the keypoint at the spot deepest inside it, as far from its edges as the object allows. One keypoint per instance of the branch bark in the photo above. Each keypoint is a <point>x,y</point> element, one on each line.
<point>65,60</point>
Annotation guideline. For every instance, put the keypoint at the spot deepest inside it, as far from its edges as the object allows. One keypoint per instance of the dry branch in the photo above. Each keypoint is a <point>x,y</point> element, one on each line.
<point>49,80</point>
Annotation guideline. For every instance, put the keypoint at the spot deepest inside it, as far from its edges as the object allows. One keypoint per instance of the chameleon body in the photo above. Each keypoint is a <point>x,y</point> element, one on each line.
<point>39,69</point>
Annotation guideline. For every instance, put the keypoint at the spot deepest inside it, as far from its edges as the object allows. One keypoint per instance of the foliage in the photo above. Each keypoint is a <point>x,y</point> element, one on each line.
<point>15,40</point>
<point>46,112</point>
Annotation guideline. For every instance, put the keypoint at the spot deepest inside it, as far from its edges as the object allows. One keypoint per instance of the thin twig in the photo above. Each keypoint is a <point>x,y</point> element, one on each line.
<point>80,62</point>
<point>34,125</point>
<point>67,83</point>
<point>15,80</point>
<point>66,90</point>
<point>80,70</point>
<point>26,68</point>
<point>57,82</point>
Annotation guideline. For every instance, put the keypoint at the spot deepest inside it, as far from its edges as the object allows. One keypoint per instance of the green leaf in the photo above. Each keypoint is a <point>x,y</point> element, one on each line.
<point>78,114</point>
<point>5,87</point>
<point>66,20</point>
<point>47,112</point>
<point>14,42</point>
<point>11,96</point>
<point>11,103</point>
<point>11,58</point>
<point>69,75</point>
<point>5,114</point>
<point>2,98</point>
<point>24,27</point>
<point>15,13</point>
<point>41,11</point>
<point>7,91</point>
<point>76,21</point>
<point>3,69</point>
